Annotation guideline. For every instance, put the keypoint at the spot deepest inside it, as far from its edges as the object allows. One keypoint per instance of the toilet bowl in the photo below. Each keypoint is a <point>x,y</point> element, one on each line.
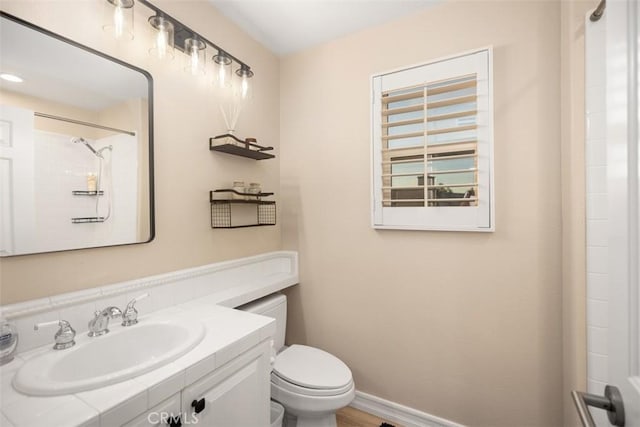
<point>310,383</point>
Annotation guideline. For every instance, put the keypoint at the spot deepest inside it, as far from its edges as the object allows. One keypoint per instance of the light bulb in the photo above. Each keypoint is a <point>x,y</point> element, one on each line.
<point>194,60</point>
<point>11,78</point>
<point>222,76</point>
<point>161,41</point>
<point>118,21</point>
<point>245,87</point>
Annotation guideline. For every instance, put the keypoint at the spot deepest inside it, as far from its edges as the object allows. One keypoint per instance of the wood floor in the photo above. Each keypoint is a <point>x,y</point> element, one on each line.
<point>350,417</point>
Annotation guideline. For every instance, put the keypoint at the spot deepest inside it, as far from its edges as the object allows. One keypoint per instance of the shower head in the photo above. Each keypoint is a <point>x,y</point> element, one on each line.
<point>106,147</point>
<point>86,144</point>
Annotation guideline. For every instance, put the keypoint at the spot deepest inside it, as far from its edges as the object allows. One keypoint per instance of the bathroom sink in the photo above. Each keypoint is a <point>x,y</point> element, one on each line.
<point>122,354</point>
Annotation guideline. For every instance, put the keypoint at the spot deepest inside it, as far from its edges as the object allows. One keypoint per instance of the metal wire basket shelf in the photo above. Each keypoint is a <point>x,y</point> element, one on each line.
<point>222,210</point>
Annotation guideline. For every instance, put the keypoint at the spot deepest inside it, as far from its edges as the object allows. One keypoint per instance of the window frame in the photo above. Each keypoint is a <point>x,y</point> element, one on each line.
<point>438,218</point>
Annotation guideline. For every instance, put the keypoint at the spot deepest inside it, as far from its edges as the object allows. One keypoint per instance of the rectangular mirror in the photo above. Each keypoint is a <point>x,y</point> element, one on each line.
<point>76,145</point>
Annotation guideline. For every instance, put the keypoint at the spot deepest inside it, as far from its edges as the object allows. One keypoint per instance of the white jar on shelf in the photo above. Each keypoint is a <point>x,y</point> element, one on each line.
<point>239,187</point>
<point>254,189</point>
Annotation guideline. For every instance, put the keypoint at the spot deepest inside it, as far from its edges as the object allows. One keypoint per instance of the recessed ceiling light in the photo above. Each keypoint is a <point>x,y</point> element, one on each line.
<point>11,78</point>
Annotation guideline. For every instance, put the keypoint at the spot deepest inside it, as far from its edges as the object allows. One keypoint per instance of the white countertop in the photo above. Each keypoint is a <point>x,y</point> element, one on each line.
<point>229,332</point>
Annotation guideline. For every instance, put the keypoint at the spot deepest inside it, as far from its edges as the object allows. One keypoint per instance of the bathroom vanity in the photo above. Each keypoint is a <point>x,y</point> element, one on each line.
<point>222,380</point>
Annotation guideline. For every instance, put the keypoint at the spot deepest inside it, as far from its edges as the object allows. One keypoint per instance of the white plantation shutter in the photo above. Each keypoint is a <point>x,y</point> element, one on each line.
<point>432,146</point>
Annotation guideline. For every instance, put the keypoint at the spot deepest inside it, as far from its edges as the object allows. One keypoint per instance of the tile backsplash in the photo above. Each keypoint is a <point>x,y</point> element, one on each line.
<point>229,283</point>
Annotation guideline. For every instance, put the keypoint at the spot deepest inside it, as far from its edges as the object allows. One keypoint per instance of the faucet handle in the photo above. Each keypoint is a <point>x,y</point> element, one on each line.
<point>130,315</point>
<point>64,338</point>
<point>37,326</point>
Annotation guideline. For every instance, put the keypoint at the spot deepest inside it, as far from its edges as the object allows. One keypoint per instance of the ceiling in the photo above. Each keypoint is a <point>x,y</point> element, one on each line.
<point>57,71</point>
<point>289,26</point>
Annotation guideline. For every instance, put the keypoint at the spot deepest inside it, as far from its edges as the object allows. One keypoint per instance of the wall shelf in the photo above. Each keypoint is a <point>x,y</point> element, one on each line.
<point>248,197</point>
<point>221,209</point>
<point>230,144</point>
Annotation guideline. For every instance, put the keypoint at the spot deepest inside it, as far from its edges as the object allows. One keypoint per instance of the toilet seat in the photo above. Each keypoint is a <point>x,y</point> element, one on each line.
<point>283,384</point>
<point>311,371</point>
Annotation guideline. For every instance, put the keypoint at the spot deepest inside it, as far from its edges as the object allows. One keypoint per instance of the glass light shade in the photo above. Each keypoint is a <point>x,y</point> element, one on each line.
<point>163,38</point>
<point>244,87</point>
<point>118,19</point>
<point>196,59</point>
<point>222,70</point>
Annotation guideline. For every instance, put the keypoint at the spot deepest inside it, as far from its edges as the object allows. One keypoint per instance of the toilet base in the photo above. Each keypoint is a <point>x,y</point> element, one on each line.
<point>328,420</point>
<point>303,410</point>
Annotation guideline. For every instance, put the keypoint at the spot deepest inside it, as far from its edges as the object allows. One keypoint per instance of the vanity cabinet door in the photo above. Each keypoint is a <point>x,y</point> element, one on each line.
<point>165,414</point>
<point>237,394</point>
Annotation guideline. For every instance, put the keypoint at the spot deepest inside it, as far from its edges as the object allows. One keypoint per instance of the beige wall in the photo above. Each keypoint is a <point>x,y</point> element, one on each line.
<point>465,326</point>
<point>49,107</point>
<point>186,115</point>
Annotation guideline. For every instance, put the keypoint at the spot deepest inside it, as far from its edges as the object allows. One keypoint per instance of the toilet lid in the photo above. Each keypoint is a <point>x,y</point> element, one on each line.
<point>312,368</point>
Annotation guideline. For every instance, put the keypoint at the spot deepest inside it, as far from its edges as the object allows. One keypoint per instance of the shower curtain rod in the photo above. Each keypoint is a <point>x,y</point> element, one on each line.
<point>597,14</point>
<point>78,122</point>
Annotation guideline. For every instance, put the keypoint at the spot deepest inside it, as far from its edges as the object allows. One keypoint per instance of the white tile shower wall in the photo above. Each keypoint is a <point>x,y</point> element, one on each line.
<point>57,205</point>
<point>229,283</point>
<point>597,222</point>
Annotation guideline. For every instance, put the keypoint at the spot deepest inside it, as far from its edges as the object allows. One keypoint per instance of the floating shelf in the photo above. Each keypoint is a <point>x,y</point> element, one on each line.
<point>221,209</point>
<point>249,197</point>
<point>230,144</point>
<point>87,193</point>
<point>88,219</point>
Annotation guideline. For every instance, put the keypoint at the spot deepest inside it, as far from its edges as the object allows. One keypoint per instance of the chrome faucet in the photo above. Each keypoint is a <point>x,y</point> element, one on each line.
<point>130,315</point>
<point>64,338</point>
<point>100,323</point>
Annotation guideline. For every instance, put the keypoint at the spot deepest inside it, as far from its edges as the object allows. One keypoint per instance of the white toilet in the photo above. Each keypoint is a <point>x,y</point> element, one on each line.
<point>310,383</point>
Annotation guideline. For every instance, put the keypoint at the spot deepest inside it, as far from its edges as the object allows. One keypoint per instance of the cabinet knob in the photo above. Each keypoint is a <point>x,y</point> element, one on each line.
<point>198,405</point>
<point>175,422</point>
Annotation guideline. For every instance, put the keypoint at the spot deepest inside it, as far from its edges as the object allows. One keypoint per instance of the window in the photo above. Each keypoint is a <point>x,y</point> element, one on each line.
<point>433,147</point>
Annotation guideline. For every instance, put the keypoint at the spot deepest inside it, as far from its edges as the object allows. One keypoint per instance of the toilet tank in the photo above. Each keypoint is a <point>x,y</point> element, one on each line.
<point>275,306</point>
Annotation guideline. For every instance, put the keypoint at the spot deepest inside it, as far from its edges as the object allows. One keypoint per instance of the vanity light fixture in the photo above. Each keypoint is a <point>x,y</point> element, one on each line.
<point>172,35</point>
<point>11,78</point>
<point>163,42</point>
<point>118,19</point>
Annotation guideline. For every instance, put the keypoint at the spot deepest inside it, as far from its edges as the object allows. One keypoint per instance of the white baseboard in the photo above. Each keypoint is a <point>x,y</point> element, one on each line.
<point>396,413</point>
